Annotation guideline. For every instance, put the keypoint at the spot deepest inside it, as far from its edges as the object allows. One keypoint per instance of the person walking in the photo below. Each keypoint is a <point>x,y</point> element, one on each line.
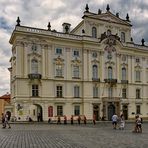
<point>139,124</point>
<point>3,120</point>
<point>7,120</point>
<point>65,119</point>
<point>39,117</point>
<point>122,122</point>
<point>79,119</point>
<point>85,119</point>
<point>94,119</point>
<point>114,121</point>
<point>59,120</point>
<point>71,119</point>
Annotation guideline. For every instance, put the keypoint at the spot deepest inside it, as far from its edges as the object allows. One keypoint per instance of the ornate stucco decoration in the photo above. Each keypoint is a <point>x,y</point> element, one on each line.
<point>138,67</point>
<point>76,62</point>
<point>59,61</point>
<point>109,63</point>
<point>111,42</point>
<point>95,61</point>
<point>124,64</point>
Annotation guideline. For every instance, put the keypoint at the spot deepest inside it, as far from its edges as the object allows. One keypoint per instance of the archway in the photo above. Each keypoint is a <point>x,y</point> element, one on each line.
<point>39,112</point>
<point>111,111</point>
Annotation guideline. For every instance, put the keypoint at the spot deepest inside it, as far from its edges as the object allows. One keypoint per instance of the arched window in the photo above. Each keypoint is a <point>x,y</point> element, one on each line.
<point>123,37</point>
<point>95,72</point>
<point>34,66</point>
<point>94,32</point>
<point>124,73</point>
<point>108,32</point>
<point>110,72</point>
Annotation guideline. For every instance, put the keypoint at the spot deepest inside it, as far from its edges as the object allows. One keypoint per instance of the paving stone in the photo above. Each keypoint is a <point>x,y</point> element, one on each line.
<point>72,136</point>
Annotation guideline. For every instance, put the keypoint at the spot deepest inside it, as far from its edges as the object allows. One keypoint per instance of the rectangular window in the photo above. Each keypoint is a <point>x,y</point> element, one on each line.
<point>137,60</point>
<point>76,53</point>
<point>138,109</point>
<point>58,51</point>
<point>95,92</point>
<point>76,71</point>
<point>137,75</point>
<point>59,70</point>
<point>35,90</point>
<point>59,92</point>
<point>124,93</point>
<point>76,91</point>
<point>59,110</point>
<point>137,93</point>
<point>110,92</point>
<point>76,110</point>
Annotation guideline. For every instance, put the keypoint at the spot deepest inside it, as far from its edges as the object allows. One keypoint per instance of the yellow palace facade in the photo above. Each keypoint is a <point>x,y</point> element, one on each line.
<point>95,68</point>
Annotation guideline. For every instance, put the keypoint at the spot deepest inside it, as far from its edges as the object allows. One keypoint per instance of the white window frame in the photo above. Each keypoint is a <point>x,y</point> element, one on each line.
<point>59,91</point>
<point>34,66</point>
<point>58,51</point>
<point>35,90</point>
<point>76,91</point>
<point>95,92</point>
<point>76,71</point>
<point>59,70</point>
<point>95,72</point>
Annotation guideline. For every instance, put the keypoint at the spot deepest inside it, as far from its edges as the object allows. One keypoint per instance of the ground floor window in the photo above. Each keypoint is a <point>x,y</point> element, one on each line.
<point>76,110</point>
<point>59,110</point>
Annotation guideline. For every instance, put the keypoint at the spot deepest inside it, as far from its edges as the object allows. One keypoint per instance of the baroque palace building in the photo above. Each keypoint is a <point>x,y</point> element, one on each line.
<point>95,68</point>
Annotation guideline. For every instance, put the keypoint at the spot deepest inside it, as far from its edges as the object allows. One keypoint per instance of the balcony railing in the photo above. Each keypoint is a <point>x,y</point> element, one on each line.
<point>110,80</point>
<point>124,81</point>
<point>111,99</point>
<point>96,79</point>
<point>34,76</point>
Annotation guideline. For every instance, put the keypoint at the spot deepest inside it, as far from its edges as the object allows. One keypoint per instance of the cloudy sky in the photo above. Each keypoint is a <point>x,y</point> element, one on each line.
<point>37,13</point>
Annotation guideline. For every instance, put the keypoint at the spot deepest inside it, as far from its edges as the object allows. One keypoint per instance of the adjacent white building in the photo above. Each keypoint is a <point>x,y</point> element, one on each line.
<point>96,68</point>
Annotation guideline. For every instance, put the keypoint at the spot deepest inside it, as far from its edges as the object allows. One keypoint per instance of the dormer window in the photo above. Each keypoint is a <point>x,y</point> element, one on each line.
<point>94,32</point>
<point>123,37</point>
<point>108,32</point>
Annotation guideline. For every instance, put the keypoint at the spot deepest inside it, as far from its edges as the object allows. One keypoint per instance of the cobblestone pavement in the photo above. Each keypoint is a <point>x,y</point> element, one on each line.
<point>72,136</point>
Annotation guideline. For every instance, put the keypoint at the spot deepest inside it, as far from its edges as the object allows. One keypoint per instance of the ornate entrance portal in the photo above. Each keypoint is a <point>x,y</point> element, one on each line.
<point>111,111</point>
<point>39,112</point>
